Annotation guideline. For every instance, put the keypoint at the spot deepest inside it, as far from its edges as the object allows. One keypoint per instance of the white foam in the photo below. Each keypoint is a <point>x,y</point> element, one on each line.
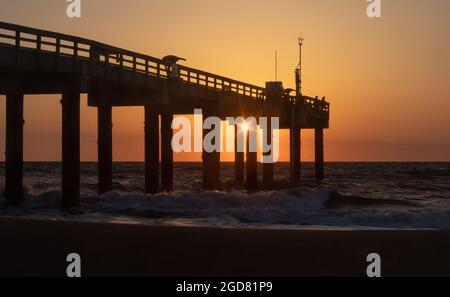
<point>289,208</point>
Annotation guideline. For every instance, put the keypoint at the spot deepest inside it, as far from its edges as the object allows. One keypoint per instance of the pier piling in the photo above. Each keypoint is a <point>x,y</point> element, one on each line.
<point>151,150</point>
<point>274,95</point>
<point>319,154</point>
<point>14,148</point>
<point>105,156</point>
<point>251,162</point>
<point>239,157</point>
<point>166,152</point>
<point>294,146</point>
<point>268,167</point>
<point>211,166</point>
<point>211,170</point>
<point>71,148</point>
<point>295,154</point>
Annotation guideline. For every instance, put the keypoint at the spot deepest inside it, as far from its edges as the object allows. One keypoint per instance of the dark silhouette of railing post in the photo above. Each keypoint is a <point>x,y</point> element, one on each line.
<point>151,150</point>
<point>319,154</point>
<point>166,151</point>
<point>105,155</point>
<point>211,164</point>
<point>239,156</point>
<point>14,148</point>
<point>71,148</point>
<point>251,163</point>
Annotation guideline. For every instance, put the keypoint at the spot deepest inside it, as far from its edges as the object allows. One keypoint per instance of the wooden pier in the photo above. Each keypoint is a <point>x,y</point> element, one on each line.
<point>35,61</point>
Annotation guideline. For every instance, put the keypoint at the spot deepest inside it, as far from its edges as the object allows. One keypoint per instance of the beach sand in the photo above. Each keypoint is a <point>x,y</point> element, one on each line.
<point>39,248</point>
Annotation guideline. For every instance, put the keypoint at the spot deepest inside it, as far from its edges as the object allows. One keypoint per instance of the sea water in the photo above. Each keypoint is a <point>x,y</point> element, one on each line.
<point>353,196</point>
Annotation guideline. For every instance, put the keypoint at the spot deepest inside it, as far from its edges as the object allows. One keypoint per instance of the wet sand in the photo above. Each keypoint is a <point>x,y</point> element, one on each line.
<point>39,248</point>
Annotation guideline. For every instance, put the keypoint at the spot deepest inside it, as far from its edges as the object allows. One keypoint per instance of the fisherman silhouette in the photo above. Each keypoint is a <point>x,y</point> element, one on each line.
<point>323,103</point>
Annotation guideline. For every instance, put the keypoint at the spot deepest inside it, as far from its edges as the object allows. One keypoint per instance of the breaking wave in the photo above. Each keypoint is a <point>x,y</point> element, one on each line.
<point>355,195</point>
<point>294,207</point>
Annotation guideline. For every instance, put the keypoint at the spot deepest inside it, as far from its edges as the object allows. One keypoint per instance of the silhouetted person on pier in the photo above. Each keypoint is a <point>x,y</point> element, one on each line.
<point>323,103</point>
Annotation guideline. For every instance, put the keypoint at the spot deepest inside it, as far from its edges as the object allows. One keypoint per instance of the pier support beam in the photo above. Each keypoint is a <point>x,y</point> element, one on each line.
<point>14,148</point>
<point>268,167</point>
<point>239,156</point>
<point>319,154</point>
<point>211,170</point>
<point>71,148</point>
<point>251,162</point>
<point>166,152</point>
<point>211,165</point>
<point>151,151</point>
<point>105,155</point>
<point>295,134</point>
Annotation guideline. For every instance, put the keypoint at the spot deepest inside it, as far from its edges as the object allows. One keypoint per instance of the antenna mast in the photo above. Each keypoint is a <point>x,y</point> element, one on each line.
<point>298,70</point>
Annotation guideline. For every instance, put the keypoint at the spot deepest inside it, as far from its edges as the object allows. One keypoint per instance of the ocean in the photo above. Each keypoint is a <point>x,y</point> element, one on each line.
<point>353,196</point>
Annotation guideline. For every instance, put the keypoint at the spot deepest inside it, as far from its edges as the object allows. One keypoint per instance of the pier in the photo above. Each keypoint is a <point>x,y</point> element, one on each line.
<point>34,61</point>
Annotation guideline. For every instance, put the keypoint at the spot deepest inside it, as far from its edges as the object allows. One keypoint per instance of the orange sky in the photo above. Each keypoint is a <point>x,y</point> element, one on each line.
<point>387,78</point>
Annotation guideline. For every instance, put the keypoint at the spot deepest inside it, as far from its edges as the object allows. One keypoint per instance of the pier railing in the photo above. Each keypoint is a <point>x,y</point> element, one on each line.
<point>110,56</point>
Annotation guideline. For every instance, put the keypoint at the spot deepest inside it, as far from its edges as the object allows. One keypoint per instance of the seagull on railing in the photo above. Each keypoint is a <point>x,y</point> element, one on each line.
<point>172,67</point>
<point>171,59</point>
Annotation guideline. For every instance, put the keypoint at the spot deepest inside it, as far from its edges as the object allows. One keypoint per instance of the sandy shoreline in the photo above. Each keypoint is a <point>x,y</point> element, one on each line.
<point>39,248</point>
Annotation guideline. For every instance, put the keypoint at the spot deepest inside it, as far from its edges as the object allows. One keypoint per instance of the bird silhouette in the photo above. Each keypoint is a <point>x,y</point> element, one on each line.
<point>171,59</point>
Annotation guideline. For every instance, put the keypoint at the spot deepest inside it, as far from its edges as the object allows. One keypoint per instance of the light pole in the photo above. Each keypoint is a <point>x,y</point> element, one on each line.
<point>298,70</point>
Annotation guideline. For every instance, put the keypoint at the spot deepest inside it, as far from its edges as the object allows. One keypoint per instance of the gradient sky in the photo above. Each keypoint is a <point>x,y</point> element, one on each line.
<point>387,79</point>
